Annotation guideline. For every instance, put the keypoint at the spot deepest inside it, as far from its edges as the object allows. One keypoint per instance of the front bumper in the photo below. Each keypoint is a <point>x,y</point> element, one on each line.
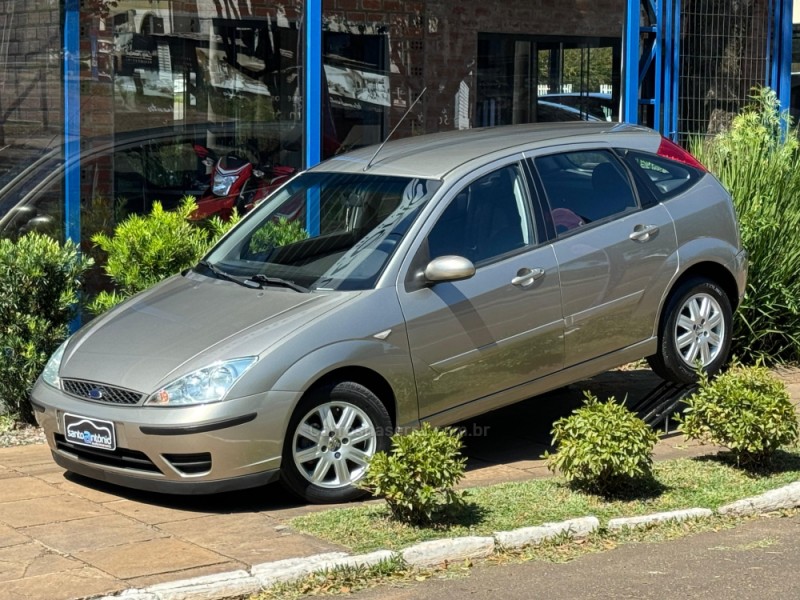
<point>210,448</point>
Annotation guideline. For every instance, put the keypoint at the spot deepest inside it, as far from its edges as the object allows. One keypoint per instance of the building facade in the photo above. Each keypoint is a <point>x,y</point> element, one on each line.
<point>109,105</point>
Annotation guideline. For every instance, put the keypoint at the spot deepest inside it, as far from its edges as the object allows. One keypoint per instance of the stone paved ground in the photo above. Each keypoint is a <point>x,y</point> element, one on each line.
<point>64,537</point>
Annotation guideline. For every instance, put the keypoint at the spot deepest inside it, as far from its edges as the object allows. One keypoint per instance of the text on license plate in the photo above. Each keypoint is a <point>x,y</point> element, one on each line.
<point>89,432</point>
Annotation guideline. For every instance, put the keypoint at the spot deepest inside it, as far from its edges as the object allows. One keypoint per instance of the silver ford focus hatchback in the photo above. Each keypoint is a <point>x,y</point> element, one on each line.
<point>444,277</point>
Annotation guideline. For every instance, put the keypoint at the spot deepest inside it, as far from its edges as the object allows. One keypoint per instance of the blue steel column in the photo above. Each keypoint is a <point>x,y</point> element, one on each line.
<point>630,63</point>
<point>312,104</point>
<point>784,79</point>
<point>774,45</point>
<point>779,50</point>
<point>658,29</point>
<point>655,62</point>
<point>72,121</point>
<point>674,33</point>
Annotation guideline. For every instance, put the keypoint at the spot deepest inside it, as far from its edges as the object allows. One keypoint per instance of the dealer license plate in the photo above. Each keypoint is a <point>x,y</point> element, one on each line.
<point>90,432</point>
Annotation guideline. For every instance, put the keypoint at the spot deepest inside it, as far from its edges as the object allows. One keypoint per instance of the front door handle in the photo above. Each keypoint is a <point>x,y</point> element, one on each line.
<point>525,277</point>
<point>643,233</point>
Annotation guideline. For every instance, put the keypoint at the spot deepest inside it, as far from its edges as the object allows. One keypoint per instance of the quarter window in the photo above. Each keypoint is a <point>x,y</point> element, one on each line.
<point>666,177</point>
<point>486,219</point>
<point>584,187</point>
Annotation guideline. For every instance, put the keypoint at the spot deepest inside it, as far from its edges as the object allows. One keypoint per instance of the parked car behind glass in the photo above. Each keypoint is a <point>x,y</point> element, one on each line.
<point>445,277</point>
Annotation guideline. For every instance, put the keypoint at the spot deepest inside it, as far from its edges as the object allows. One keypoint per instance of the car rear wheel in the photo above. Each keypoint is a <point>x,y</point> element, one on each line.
<point>333,433</point>
<point>695,329</point>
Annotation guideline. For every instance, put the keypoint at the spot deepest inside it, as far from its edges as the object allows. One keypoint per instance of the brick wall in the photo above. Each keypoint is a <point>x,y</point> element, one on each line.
<point>30,70</point>
<point>433,43</point>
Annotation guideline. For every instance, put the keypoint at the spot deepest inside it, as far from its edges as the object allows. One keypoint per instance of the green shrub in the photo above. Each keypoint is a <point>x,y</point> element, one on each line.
<point>6,423</point>
<point>602,446</point>
<point>746,409</point>
<point>759,164</point>
<point>417,476</point>
<point>41,280</point>
<point>146,249</point>
<point>277,233</point>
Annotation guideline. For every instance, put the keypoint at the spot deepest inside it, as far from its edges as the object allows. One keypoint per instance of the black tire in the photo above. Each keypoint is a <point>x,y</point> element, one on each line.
<point>334,447</point>
<point>670,362</point>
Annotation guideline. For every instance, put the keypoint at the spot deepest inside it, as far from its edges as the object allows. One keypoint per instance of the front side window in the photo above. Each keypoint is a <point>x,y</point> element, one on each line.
<point>486,219</point>
<point>584,187</point>
<point>325,231</point>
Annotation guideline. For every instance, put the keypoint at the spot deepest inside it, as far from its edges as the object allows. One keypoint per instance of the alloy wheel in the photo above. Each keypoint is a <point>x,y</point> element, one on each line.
<point>333,444</point>
<point>700,330</point>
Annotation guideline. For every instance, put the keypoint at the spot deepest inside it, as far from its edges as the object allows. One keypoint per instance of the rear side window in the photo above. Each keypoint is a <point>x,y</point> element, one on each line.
<point>583,187</point>
<point>665,178</point>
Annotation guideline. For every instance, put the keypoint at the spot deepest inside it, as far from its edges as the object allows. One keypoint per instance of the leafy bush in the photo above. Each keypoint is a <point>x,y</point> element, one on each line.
<point>6,423</point>
<point>746,409</point>
<point>759,163</point>
<point>277,233</point>
<point>41,280</point>
<point>602,446</point>
<point>417,476</point>
<point>146,249</point>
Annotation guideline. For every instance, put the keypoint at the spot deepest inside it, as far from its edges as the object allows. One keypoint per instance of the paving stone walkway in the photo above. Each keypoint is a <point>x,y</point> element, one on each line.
<point>64,537</point>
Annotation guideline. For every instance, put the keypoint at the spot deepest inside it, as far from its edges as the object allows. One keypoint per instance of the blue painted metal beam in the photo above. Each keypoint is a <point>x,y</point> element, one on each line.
<point>312,107</point>
<point>630,63</point>
<point>648,56</point>
<point>658,95</point>
<point>779,51</point>
<point>672,75</point>
<point>773,44</point>
<point>72,121</point>
<point>654,47</point>
<point>784,78</point>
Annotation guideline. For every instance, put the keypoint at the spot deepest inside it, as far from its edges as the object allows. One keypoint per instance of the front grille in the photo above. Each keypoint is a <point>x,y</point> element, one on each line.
<point>190,464</point>
<point>100,392</point>
<point>121,458</point>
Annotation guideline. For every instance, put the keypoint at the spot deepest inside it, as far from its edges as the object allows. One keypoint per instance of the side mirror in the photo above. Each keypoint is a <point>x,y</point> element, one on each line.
<point>449,268</point>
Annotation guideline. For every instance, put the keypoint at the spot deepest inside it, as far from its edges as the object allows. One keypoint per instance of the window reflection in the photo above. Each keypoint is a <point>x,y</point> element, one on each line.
<point>529,79</point>
<point>172,91</point>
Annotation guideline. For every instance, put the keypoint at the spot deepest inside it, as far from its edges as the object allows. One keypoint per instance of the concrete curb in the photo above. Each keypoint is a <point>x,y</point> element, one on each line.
<point>646,520</point>
<point>786,497</point>
<point>533,536</point>
<point>435,552</point>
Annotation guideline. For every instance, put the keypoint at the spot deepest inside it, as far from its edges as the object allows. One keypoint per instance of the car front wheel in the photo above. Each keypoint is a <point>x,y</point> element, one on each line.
<point>695,330</point>
<point>333,433</point>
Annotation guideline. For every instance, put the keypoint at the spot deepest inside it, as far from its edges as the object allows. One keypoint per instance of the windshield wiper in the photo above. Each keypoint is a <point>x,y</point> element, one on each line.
<point>277,281</point>
<point>222,274</point>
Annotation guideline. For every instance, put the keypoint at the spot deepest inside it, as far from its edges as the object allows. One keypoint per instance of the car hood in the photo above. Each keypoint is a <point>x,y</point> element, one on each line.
<point>186,323</point>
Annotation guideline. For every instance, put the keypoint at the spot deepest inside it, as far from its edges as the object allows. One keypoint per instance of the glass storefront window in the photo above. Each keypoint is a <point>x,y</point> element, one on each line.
<point>529,79</point>
<point>176,95</point>
<point>168,90</point>
<point>480,66</point>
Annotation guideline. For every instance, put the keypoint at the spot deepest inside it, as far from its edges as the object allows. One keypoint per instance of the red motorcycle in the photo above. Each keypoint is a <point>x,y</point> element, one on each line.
<point>237,184</point>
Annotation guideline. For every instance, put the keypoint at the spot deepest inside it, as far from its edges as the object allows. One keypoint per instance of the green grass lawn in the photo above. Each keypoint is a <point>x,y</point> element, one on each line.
<point>686,483</point>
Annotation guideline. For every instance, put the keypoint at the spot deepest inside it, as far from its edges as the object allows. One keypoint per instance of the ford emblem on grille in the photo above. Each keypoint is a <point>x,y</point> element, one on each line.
<point>95,394</point>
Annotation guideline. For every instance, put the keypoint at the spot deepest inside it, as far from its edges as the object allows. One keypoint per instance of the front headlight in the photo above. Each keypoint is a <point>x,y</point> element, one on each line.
<point>222,184</point>
<point>209,384</point>
<point>50,373</point>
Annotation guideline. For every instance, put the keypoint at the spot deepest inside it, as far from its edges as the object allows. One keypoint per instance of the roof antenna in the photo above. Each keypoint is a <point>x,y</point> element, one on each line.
<point>403,118</point>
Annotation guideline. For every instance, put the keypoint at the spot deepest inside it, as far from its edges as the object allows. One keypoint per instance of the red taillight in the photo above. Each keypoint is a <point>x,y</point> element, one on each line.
<point>671,150</point>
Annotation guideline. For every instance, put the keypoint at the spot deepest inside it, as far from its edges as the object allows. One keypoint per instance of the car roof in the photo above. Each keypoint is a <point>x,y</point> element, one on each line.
<point>433,156</point>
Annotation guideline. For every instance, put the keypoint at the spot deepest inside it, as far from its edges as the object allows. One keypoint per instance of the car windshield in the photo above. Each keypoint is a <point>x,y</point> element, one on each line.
<point>323,231</point>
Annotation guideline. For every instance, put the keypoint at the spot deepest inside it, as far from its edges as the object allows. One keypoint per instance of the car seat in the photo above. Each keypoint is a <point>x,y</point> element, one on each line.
<point>612,191</point>
<point>495,223</point>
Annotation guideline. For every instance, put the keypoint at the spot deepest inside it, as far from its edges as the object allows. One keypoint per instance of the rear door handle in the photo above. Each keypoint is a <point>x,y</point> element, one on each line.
<point>525,277</point>
<point>643,233</point>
